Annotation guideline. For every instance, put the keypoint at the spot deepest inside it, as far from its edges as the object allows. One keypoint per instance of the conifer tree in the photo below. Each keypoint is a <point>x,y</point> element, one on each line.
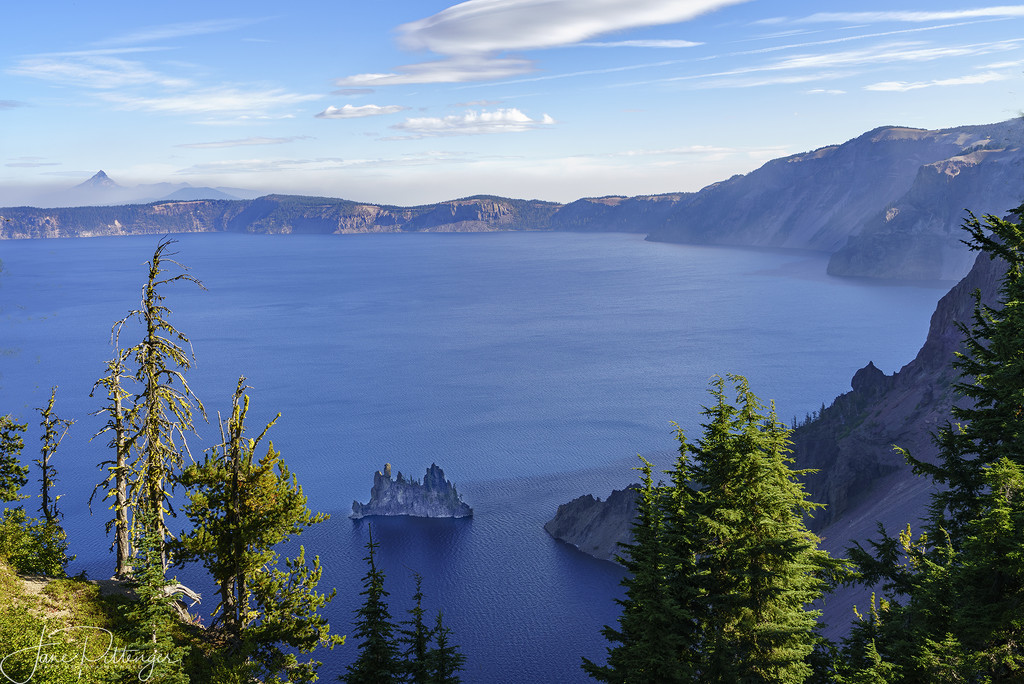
<point>54,430</point>
<point>121,414</point>
<point>152,616</point>
<point>760,566</point>
<point>954,591</point>
<point>654,640</point>
<point>415,637</point>
<point>378,661</point>
<point>241,508</point>
<point>13,475</point>
<point>445,661</point>
<point>165,402</point>
<point>723,571</point>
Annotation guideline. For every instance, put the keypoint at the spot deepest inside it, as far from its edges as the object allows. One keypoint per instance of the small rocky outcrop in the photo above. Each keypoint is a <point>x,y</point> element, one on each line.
<point>434,497</point>
<point>596,527</point>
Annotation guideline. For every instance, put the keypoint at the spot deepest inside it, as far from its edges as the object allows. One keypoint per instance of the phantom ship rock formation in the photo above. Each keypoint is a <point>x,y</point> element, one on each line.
<point>435,497</point>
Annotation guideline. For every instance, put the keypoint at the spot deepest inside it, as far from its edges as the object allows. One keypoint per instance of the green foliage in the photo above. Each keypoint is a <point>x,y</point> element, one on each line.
<point>955,593</point>
<point>415,637</point>
<point>152,617</point>
<point>13,475</point>
<point>723,570</point>
<point>379,661</point>
<point>54,430</point>
<point>444,661</point>
<point>240,509</point>
<point>33,546</point>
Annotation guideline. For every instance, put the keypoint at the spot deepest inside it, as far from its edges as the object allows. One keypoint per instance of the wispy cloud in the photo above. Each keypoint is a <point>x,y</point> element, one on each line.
<point>353,91</point>
<point>487,26</point>
<point>30,164</point>
<point>179,30</point>
<point>470,34</point>
<point>456,70</point>
<point>244,142</point>
<point>212,100</point>
<point>642,44</point>
<point>93,71</point>
<point>353,112</point>
<point>1002,11</point>
<point>509,120</point>
<point>825,91</point>
<point>11,104</point>
<point>904,86</point>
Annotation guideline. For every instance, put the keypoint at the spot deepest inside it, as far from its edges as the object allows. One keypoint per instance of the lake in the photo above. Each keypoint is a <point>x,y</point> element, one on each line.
<point>532,367</point>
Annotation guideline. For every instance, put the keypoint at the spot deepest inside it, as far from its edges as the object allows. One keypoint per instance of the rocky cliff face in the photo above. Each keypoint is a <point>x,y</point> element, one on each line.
<point>596,527</point>
<point>851,442</point>
<point>888,203</point>
<point>435,497</point>
<point>278,214</point>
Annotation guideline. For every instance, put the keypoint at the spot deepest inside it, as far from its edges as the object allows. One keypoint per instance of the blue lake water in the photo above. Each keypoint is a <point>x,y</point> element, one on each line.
<point>532,367</point>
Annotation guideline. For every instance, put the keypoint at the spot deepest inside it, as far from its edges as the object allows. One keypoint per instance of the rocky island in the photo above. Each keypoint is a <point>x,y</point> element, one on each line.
<point>435,497</point>
<point>596,527</point>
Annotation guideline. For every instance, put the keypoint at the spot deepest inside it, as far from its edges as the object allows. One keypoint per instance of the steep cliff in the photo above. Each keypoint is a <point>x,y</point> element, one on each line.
<point>435,497</point>
<point>888,203</point>
<point>593,526</point>
<point>278,214</point>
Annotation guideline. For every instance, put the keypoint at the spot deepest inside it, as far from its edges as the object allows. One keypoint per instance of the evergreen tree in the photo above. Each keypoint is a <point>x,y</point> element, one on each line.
<point>121,423</point>
<point>54,430</point>
<point>653,640</point>
<point>379,661</point>
<point>723,570</point>
<point>13,475</point>
<point>241,509</point>
<point>760,566</point>
<point>955,591</point>
<point>415,637</point>
<point>445,661</point>
<point>165,402</point>
<point>152,616</point>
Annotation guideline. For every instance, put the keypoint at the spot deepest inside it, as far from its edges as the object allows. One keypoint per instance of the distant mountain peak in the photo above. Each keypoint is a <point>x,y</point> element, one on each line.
<point>99,180</point>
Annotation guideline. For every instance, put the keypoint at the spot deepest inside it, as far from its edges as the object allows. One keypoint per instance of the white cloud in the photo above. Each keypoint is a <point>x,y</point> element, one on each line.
<point>643,44</point>
<point>212,100</point>
<point>1002,11</point>
<point>825,91</point>
<point>904,86</point>
<point>92,70</point>
<point>179,30</point>
<point>456,70</point>
<point>509,120</point>
<point>485,26</point>
<point>351,112</point>
<point>242,142</point>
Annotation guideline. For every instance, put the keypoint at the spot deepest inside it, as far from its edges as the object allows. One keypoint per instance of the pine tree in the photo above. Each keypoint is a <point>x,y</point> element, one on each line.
<point>121,422</point>
<point>445,661</point>
<point>152,616</point>
<point>165,402</point>
<point>379,661</point>
<point>722,569</point>
<point>760,566</point>
<point>241,509</point>
<point>954,591</point>
<point>653,639</point>
<point>54,430</point>
<point>992,377</point>
<point>415,637</point>
<point>13,475</point>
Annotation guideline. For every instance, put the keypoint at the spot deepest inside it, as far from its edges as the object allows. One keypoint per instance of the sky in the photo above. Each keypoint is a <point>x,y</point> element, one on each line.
<point>407,102</point>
